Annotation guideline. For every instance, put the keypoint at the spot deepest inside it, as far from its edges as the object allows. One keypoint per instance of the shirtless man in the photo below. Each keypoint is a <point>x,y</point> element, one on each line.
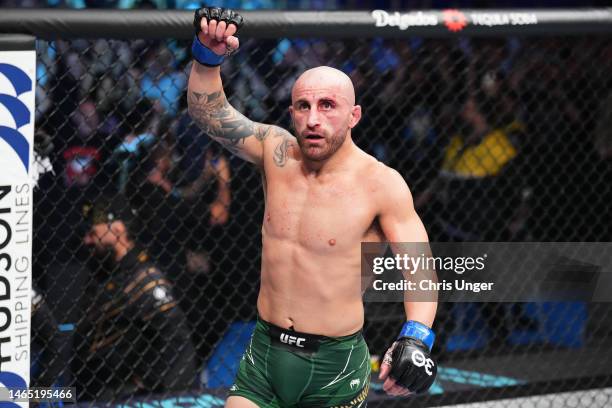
<point>323,197</point>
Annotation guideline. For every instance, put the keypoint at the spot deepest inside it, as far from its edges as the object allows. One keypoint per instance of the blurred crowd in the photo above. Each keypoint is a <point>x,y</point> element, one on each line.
<point>499,139</point>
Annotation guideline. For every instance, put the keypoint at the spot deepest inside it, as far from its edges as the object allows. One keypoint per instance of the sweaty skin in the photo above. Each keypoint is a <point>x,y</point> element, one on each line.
<point>323,196</point>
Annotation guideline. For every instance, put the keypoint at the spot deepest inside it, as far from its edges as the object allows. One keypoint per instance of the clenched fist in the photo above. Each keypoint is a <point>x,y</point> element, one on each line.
<point>215,28</point>
<point>408,367</point>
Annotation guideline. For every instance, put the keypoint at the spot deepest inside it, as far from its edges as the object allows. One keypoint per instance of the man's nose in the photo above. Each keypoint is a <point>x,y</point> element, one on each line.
<point>313,119</point>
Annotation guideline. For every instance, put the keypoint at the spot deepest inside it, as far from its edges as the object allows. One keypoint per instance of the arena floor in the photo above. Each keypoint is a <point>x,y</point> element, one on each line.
<point>599,398</point>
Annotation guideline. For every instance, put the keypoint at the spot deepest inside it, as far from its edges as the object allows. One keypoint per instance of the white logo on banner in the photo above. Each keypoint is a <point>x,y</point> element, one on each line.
<point>404,21</point>
<point>17,81</point>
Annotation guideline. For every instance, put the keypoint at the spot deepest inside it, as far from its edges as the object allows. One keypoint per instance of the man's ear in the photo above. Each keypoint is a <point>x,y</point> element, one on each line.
<point>355,116</point>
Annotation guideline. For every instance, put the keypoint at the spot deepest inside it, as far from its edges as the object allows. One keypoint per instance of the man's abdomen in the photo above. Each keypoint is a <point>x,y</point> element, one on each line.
<point>318,293</point>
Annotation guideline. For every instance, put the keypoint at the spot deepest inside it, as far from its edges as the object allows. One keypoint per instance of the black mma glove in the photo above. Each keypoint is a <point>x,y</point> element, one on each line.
<point>409,357</point>
<point>200,52</point>
<point>216,13</point>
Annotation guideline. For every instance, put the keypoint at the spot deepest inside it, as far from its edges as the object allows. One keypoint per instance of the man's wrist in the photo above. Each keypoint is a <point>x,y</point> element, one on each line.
<point>418,331</point>
<point>204,55</point>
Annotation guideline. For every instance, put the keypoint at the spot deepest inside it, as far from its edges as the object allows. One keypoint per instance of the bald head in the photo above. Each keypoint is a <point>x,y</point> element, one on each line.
<point>323,111</point>
<point>325,79</point>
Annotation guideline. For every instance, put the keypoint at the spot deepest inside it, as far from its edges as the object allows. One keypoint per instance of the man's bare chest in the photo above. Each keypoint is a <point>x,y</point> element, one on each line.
<point>310,212</point>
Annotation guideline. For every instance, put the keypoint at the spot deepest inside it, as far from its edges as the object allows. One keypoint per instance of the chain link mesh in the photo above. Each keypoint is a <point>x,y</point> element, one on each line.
<point>527,119</point>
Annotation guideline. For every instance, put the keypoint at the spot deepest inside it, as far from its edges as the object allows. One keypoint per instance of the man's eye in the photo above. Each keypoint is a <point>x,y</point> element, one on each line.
<point>327,105</point>
<point>303,106</point>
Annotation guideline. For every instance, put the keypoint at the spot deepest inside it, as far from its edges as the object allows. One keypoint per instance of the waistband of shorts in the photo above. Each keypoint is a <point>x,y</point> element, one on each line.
<point>321,339</point>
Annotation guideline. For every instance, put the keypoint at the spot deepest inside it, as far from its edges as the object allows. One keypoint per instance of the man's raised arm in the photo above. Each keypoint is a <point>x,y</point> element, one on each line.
<point>208,106</point>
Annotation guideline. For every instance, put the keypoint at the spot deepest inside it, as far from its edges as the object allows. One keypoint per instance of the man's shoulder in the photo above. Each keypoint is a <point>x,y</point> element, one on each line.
<point>381,176</point>
<point>145,275</point>
<point>150,286</point>
<point>280,145</point>
<point>271,134</point>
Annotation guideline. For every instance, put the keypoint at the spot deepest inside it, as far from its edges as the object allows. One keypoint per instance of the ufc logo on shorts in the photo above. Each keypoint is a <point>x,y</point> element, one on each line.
<point>419,360</point>
<point>290,340</point>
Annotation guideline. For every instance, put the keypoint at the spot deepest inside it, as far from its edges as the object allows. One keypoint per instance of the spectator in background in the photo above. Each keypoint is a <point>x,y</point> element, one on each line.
<point>424,89</point>
<point>187,204</point>
<point>135,145</point>
<point>188,188</point>
<point>161,82</point>
<point>45,70</point>
<point>215,172</point>
<point>249,91</point>
<point>475,186</point>
<point>478,189</point>
<point>81,166</point>
<point>65,92</point>
<point>160,214</point>
<point>136,338</point>
<point>560,206</point>
<point>202,171</point>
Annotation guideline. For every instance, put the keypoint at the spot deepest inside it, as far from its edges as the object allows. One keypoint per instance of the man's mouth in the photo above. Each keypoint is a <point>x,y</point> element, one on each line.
<point>313,136</point>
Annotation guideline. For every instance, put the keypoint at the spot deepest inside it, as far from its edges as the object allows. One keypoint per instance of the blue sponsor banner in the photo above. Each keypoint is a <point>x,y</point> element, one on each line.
<point>17,89</point>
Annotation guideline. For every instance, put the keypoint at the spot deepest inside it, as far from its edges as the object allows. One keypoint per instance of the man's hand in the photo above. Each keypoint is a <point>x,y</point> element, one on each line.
<point>218,213</point>
<point>157,178</point>
<point>215,28</point>
<point>407,367</point>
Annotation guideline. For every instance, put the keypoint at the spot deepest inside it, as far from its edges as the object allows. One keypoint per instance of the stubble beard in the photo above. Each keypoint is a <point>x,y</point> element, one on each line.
<point>330,147</point>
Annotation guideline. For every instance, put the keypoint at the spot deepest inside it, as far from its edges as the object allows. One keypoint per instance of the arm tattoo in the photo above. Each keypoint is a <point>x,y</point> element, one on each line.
<point>213,113</point>
<point>262,131</point>
<point>281,151</point>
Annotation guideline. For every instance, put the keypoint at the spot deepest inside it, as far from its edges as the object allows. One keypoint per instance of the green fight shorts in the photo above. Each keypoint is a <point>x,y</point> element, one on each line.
<point>283,368</point>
